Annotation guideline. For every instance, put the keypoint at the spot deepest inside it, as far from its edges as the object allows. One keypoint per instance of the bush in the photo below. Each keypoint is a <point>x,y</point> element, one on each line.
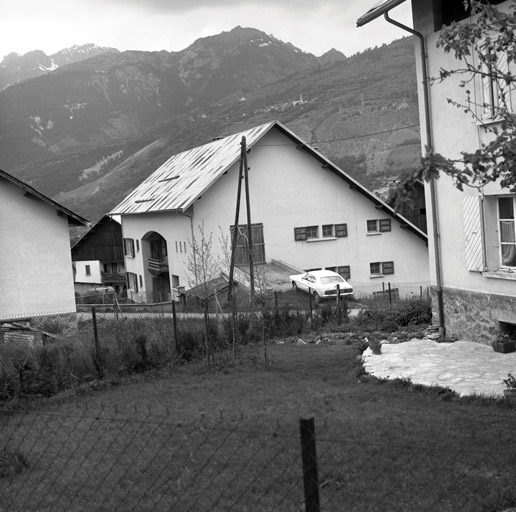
<point>389,318</point>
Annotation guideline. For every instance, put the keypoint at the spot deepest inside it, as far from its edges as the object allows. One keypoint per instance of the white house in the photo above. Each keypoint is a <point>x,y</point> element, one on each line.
<point>305,212</point>
<point>471,233</point>
<point>36,280</point>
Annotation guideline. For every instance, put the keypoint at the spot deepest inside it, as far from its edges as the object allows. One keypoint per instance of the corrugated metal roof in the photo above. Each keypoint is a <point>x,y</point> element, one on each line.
<point>377,10</point>
<point>185,177</point>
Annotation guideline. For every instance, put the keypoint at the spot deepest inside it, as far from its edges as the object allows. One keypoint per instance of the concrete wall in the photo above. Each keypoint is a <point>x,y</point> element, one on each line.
<point>454,131</point>
<point>36,276</point>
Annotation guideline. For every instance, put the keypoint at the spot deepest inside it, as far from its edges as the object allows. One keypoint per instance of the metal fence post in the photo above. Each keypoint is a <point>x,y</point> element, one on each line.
<point>309,457</point>
<point>390,297</point>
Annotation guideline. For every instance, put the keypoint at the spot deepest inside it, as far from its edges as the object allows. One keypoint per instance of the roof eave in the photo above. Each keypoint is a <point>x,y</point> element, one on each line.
<point>377,11</point>
<point>73,218</point>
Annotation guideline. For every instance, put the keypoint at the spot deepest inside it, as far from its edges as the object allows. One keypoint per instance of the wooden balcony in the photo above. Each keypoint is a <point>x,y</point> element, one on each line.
<point>157,267</point>
<point>113,277</point>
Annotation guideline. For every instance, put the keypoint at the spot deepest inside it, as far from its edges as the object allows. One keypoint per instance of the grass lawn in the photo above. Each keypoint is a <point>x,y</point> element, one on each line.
<point>189,438</point>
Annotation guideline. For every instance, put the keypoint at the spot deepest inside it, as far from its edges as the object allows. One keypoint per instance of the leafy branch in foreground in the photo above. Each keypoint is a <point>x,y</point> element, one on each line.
<point>485,50</point>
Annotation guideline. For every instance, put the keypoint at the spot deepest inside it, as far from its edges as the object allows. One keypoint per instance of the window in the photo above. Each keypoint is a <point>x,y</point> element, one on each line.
<point>138,245</point>
<point>132,281</point>
<point>372,226</point>
<point>141,281</point>
<point>385,225</point>
<point>327,230</point>
<point>312,231</point>
<point>341,230</point>
<point>447,11</point>
<point>301,234</point>
<point>129,247</point>
<point>381,268</point>
<point>374,268</point>
<point>242,252</point>
<point>495,90</point>
<point>344,271</point>
<point>507,231</point>
<point>88,270</point>
<point>378,225</point>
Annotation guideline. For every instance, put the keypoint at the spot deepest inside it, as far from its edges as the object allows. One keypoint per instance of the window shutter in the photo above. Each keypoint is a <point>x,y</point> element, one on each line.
<point>473,233</point>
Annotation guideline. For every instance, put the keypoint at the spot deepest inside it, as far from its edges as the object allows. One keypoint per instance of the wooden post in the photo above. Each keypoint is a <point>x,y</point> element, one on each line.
<point>235,232</point>
<point>339,310</point>
<point>249,223</point>
<point>390,296</point>
<point>174,323</point>
<point>309,458</point>
<point>421,292</point>
<point>98,355</point>
<point>310,302</point>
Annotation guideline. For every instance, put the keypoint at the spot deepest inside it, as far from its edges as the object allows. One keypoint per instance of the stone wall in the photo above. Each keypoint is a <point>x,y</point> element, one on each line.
<point>474,316</point>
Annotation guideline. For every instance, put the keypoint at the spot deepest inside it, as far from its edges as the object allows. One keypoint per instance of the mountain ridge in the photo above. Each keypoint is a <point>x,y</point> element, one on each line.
<point>112,119</point>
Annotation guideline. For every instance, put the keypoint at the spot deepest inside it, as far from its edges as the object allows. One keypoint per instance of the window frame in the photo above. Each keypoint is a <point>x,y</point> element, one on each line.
<point>499,220</point>
<point>310,230</point>
<point>369,225</point>
<point>132,279</point>
<point>129,247</point>
<point>371,272</point>
<point>331,230</point>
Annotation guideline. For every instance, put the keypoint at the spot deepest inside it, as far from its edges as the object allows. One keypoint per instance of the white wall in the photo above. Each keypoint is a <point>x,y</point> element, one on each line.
<point>453,131</point>
<point>176,229</point>
<point>35,260</point>
<point>289,189</point>
<point>81,276</point>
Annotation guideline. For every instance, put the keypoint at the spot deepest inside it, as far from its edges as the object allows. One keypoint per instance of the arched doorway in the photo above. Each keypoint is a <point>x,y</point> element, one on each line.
<point>155,256</point>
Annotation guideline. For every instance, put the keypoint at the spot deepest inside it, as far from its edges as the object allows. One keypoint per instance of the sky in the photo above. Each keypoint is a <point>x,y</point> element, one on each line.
<point>314,26</point>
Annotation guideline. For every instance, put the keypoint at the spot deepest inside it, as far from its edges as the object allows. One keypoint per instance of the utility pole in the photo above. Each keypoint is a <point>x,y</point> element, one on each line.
<point>234,238</point>
<point>249,223</point>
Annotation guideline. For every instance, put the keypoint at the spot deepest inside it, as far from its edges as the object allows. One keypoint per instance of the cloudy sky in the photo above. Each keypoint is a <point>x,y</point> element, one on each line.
<point>314,26</point>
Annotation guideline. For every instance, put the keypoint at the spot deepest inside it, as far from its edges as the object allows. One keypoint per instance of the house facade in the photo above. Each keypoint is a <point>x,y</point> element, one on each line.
<point>305,211</point>
<point>35,264</point>
<point>471,233</point>
<point>98,258</point>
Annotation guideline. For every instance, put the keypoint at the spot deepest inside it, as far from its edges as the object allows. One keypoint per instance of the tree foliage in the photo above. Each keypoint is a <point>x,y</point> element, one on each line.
<point>484,46</point>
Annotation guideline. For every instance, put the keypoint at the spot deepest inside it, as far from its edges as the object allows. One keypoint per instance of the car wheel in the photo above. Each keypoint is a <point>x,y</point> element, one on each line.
<point>294,287</point>
<point>317,297</point>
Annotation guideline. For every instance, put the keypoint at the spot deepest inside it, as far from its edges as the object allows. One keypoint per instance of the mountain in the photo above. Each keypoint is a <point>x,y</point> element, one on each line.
<point>15,68</point>
<point>90,131</point>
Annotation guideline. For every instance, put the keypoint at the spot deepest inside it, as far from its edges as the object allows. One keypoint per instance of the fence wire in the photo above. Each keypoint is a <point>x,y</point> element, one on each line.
<point>94,459</point>
<point>98,460</point>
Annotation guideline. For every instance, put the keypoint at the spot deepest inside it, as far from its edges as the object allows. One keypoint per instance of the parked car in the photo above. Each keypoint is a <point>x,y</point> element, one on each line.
<point>322,284</point>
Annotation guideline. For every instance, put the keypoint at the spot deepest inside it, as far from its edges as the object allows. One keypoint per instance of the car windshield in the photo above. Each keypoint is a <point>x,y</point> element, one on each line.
<point>331,279</point>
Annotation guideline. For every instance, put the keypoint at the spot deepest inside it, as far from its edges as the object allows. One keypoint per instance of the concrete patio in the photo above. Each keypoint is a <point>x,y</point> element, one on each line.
<point>463,366</point>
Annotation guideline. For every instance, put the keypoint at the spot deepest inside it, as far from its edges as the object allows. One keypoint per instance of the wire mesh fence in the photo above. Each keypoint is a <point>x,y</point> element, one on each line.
<point>94,459</point>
